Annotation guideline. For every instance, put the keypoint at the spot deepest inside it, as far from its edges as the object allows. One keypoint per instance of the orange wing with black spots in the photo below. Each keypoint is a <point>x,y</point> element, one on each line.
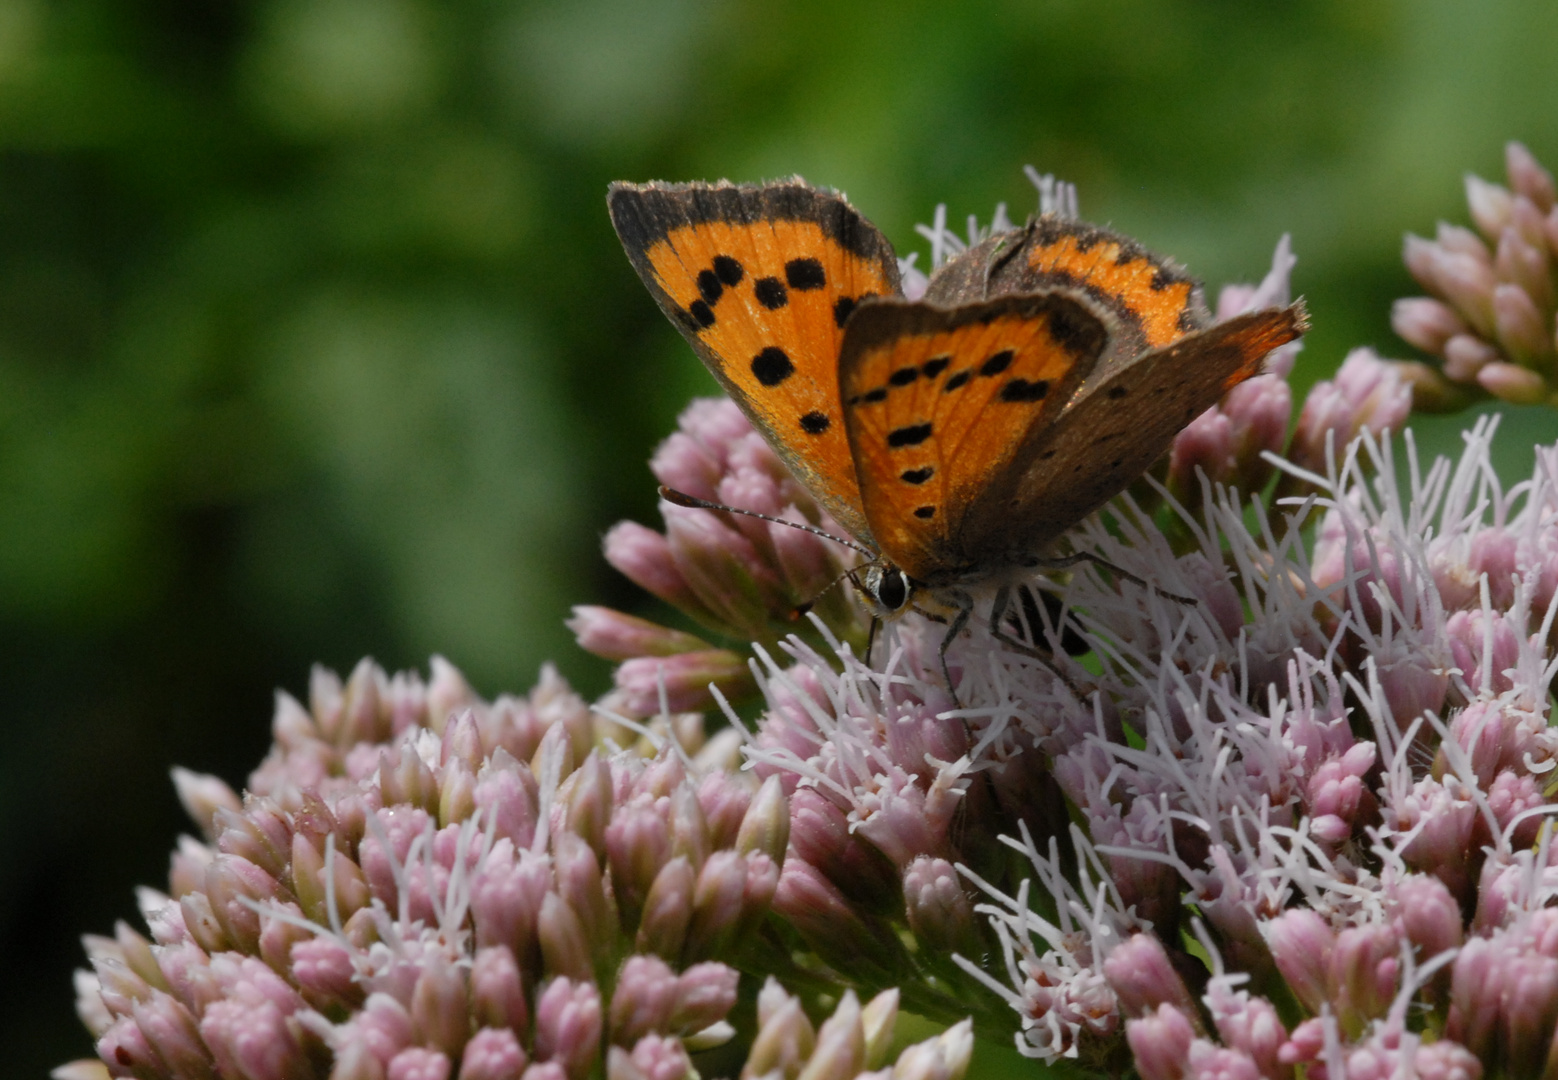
<point>1115,429</point>
<point>760,280</point>
<point>939,402</point>
<point>1154,302</point>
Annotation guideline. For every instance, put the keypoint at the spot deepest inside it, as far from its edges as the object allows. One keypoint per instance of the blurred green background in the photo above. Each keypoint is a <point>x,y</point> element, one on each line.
<point>315,340</point>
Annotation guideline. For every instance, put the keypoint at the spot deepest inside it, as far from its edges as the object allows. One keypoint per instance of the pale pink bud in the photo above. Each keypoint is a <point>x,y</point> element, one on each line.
<point>1465,355</point>
<point>508,797</point>
<point>705,994</point>
<point>668,910</point>
<point>417,1063</point>
<point>1520,325</point>
<point>440,1006</point>
<point>1250,1025</point>
<point>817,909</point>
<point>727,573</point>
<point>1428,915</point>
<point>1367,394</point>
<point>660,1057</point>
<point>1425,322</point>
<point>1524,265</point>
<point>1469,635</point>
<point>545,1070</point>
<point>1364,964</point>
<point>939,911</point>
<point>619,636</point>
<point>638,844</point>
<point>1143,978</point>
<point>497,995</point>
<point>309,883</point>
<point>493,1054</point>
<point>252,1040</point>
<point>1489,204</point>
<point>724,799</point>
<point>1476,994</point>
<point>565,947</point>
<point>1467,282</point>
<point>644,557</point>
<point>1527,176</point>
<point>946,1057</point>
<point>506,896</point>
<point>643,999</point>
<point>568,1025</point>
<point>580,883</point>
<point>259,833</point>
<point>171,1033</point>
<point>1300,942</point>
<point>589,796</point>
<point>1421,259</point>
<point>447,692</point>
<point>1443,1059</point>
<point>125,1044</point>
<point>405,778</point>
<point>230,881</point>
<point>323,970</point>
<point>841,1044</point>
<point>1509,796</point>
<point>1512,383</point>
<point>717,904</point>
<point>1457,240</point>
<point>685,677</point>
<point>1160,1043</point>
<point>820,835</point>
<point>202,795</point>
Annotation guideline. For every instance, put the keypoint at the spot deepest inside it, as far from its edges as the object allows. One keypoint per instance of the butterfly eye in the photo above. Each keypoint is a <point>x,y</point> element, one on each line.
<point>889,587</point>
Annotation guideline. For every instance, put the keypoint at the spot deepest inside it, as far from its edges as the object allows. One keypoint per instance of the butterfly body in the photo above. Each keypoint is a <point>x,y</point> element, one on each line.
<point>959,436</point>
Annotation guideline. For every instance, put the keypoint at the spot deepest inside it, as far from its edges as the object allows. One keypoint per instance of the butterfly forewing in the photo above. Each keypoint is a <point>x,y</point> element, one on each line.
<point>937,401</point>
<point>761,280</point>
<point>1116,429</point>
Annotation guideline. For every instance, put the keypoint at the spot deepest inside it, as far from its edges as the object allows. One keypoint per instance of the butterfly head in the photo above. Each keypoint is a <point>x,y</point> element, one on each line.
<point>888,591</point>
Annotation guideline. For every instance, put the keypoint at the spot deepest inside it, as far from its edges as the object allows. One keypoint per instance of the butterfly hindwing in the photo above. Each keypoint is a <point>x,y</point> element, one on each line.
<point>937,402</point>
<point>1114,430</point>
<point>760,280</point>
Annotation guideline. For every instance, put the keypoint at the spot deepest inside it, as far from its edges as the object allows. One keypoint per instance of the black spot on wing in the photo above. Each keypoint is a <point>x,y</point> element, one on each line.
<point>1077,333</point>
<point>815,423</point>
<point>958,379</point>
<point>771,293</point>
<point>903,376</point>
<point>997,363</point>
<point>917,476</point>
<point>709,286</point>
<point>728,270</point>
<point>772,366</point>
<point>841,311</point>
<point>912,435</point>
<point>935,366</point>
<point>925,512</point>
<point>805,274</point>
<point>871,397</point>
<point>1023,390</point>
<point>1117,392</point>
<point>701,314</point>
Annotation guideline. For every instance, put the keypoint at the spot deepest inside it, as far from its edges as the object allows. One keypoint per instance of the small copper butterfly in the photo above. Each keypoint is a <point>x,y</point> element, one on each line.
<point>956,437</point>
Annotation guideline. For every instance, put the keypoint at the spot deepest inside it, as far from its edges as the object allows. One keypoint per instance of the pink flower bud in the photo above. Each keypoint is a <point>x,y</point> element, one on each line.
<point>1512,383</point>
<point>820,836</point>
<point>785,1038</point>
<point>440,1005</point>
<point>1425,322</point>
<point>565,947</point>
<point>841,1044</point>
<point>1527,176</point>
<point>493,1054</point>
<point>705,994</point>
<point>507,795</point>
<point>1521,328</point>
<point>171,1033</point>
<point>252,1040</point>
<point>644,557</point>
<point>1490,205</point>
<point>1428,915</point>
<point>717,904</point>
<point>1443,1059</point>
<point>497,995</point>
<point>1363,967</point>
<point>939,911</point>
<point>202,796</point>
<point>506,896</point>
<point>1301,942</point>
<point>568,1025</point>
<point>1160,1043</point>
<point>668,910</point>
<point>323,970</point>
<point>1367,393</point>
<point>945,1057</point>
<point>686,678</point>
<point>1143,978</point>
<point>724,799</point>
<point>658,1057</point>
<point>1465,355</point>
<point>230,881</point>
<point>418,1063</point>
<point>618,636</point>
<point>1523,265</point>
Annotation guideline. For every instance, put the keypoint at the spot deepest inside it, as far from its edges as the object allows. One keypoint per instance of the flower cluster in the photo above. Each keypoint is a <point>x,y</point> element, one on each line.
<point>1296,827</point>
<point>422,885</point>
<point>1490,317</point>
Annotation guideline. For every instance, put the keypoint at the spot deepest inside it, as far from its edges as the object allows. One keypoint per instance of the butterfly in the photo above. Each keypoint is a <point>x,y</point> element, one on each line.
<point>956,437</point>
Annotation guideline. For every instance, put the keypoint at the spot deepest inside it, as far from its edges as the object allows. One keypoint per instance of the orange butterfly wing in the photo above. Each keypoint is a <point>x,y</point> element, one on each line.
<point>939,401</point>
<point>760,280</point>
<point>1115,429</point>
<point>1153,300</point>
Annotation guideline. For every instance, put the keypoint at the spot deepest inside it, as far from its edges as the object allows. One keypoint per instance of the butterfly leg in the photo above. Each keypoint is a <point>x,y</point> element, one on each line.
<point>998,608</point>
<point>954,628</point>
<point>1076,557</point>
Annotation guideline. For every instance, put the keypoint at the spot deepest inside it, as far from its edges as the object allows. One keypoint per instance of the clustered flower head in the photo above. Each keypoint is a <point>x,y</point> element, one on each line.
<point>421,885</point>
<point>1494,292</point>
<point>1298,827</point>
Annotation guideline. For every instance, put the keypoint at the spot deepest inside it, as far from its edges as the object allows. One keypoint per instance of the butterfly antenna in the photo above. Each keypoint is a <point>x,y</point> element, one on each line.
<point>692,502</point>
<point>802,609</point>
